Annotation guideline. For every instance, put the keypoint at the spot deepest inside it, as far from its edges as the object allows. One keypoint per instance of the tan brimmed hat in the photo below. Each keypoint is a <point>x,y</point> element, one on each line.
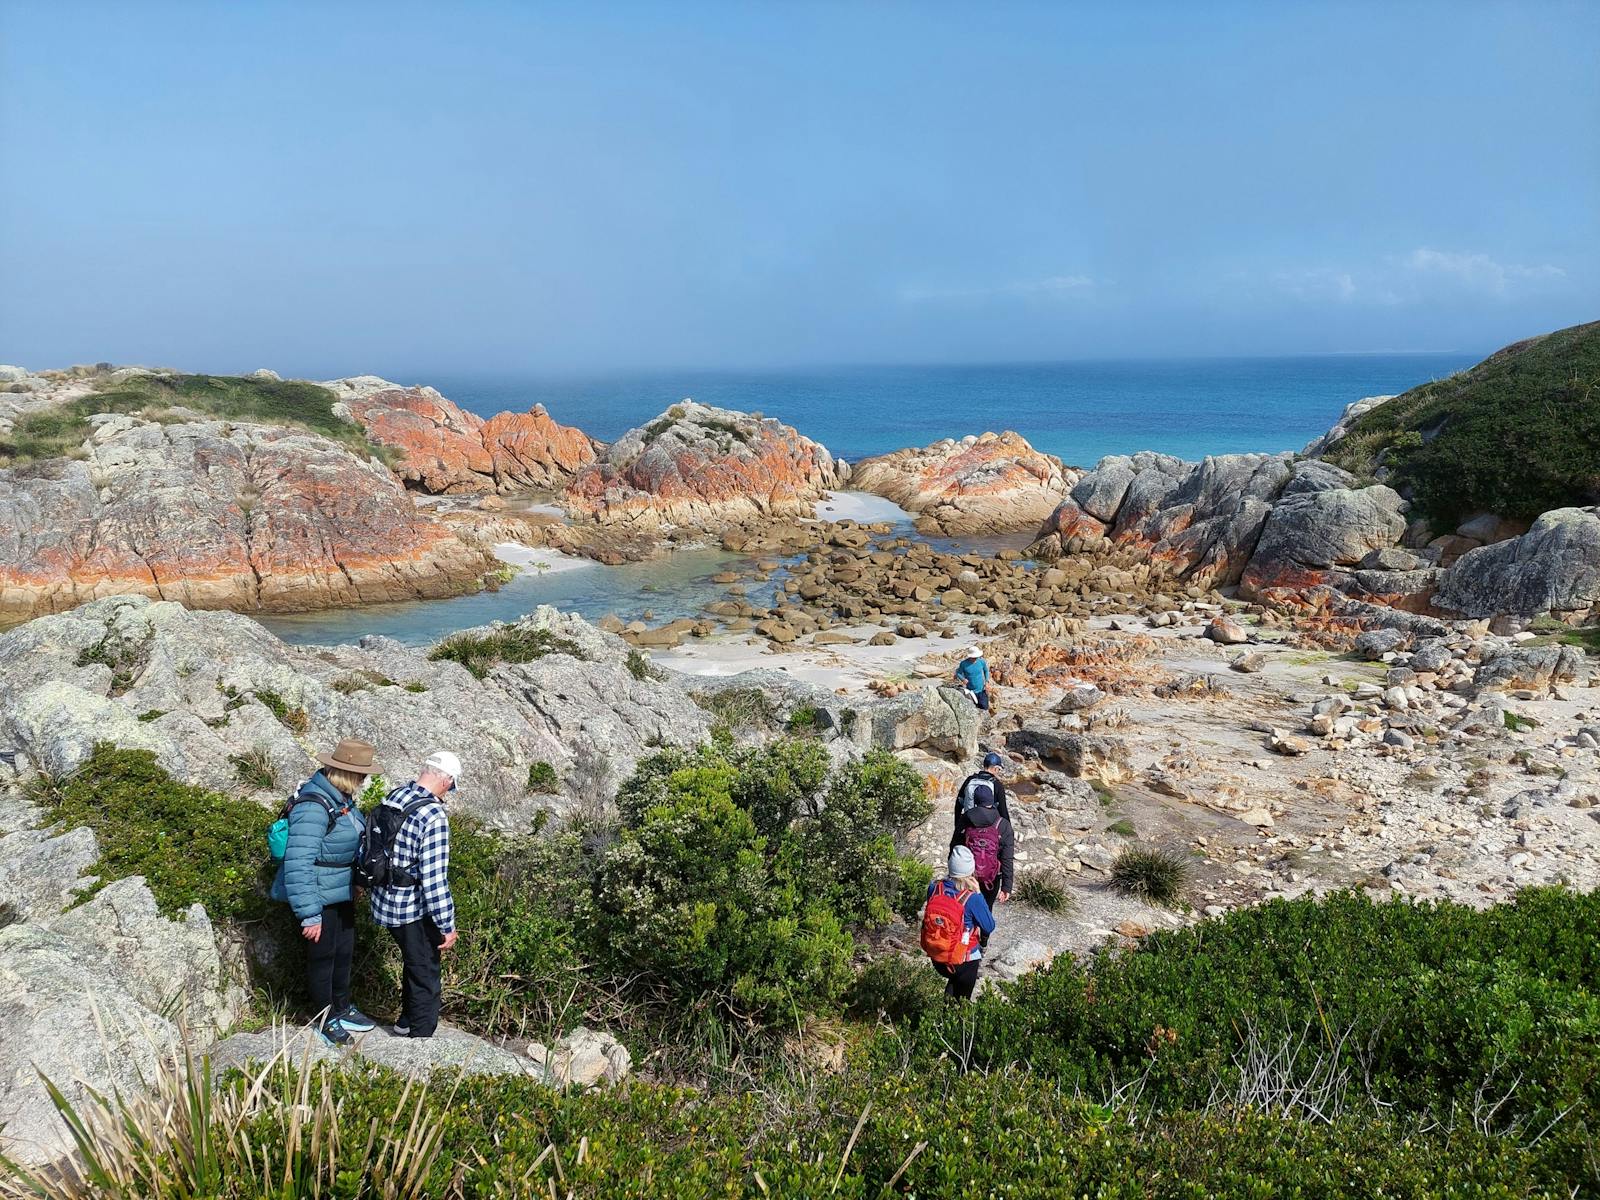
<point>351,754</point>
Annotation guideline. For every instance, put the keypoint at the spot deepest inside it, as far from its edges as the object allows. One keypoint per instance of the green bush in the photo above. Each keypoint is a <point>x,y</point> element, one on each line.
<point>640,666</point>
<point>1516,435</point>
<point>688,894</point>
<point>542,778</point>
<point>1046,889</point>
<point>191,845</point>
<point>482,652</point>
<point>1152,875</point>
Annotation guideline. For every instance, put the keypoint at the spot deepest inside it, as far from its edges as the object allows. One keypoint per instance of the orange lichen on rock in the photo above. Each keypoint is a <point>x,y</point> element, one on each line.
<point>990,483</point>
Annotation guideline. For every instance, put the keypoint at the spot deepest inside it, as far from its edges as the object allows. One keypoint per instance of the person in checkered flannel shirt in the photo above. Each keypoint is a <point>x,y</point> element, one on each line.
<point>421,917</point>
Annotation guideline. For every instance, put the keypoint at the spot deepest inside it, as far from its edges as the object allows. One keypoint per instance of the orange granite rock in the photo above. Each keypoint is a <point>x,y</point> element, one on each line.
<point>706,467</point>
<point>219,515</point>
<point>445,450</point>
<point>992,483</point>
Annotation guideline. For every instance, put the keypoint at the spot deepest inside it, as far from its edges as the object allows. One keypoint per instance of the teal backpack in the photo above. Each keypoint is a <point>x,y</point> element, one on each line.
<point>278,831</point>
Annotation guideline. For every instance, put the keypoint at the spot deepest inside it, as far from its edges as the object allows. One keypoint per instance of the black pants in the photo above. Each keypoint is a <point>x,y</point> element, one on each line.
<point>420,986</point>
<point>960,980</point>
<point>328,960</point>
<point>981,699</point>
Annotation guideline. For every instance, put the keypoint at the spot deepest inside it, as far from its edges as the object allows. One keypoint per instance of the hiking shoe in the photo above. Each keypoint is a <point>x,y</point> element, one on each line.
<point>400,1028</point>
<point>356,1021</point>
<point>335,1034</point>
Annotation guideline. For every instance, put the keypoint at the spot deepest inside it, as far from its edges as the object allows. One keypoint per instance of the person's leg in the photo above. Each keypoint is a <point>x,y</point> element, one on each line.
<point>343,955</point>
<point>983,700</point>
<point>319,967</point>
<point>989,891</point>
<point>398,933</point>
<point>425,1004</point>
<point>964,979</point>
<point>947,973</point>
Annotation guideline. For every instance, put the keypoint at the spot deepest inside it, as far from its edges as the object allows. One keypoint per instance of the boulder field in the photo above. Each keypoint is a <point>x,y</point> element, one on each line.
<point>991,483</point>
<point>1302,533</point>
<point>219,514</point>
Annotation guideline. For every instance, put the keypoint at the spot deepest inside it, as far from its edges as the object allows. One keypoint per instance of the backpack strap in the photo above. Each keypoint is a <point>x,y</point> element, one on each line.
<point>334,814</point>
<point>399,877</point>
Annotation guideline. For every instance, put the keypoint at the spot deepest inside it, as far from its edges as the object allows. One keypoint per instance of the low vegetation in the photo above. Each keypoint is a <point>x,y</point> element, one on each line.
<point>1152,875</point>
<point>739,709</point>
<point>480,653</point>
<point>191,845</point>
<point>542,778</point>
<point>721,925</point>
<point>60,430</point>
<point>1046,889</point>
<point>640,666</point>
<point>1516,435</point>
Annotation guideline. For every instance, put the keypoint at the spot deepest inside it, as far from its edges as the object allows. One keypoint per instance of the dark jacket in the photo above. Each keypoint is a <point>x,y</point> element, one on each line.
<point>999,793</point>
<point>979,817</point>
<point>308,886</point>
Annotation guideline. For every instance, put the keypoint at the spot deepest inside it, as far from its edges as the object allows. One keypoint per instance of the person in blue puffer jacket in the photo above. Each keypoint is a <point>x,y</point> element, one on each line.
<point>317,880</point>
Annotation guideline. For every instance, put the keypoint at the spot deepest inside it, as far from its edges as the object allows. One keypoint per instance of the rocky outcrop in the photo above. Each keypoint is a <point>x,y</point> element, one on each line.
<point>1353,412</point>
<point>1283,530</point>
<point>445,450</point>
<point>200,689</point>
<point>219,514</point>
<point>93,996</point>
<point>704,467</point>
<point>1554,567</point>
<point>1318,538</point>
<point>992,483</point>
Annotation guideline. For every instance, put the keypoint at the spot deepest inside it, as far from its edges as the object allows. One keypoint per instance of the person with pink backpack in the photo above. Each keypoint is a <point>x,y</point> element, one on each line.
<point>955,924</point>
<point>983,828</point>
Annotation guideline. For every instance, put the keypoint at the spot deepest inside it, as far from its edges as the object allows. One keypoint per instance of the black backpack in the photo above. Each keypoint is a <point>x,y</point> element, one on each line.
<point>373,868</point>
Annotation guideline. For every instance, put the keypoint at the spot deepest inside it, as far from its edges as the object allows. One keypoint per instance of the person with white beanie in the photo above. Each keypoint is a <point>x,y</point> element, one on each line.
<point>954,923</point>
<point>414,904</point>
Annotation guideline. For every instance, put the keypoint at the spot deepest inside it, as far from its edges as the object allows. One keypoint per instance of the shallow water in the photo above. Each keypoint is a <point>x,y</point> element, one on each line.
<point>677,585</point>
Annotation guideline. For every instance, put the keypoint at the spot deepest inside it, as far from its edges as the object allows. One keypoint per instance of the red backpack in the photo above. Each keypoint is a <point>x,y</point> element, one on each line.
<point>944,927</point>
<point>985,847</point>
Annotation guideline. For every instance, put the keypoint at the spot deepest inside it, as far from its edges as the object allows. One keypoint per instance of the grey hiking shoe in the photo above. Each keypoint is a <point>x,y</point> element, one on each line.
<point>335,1034</point>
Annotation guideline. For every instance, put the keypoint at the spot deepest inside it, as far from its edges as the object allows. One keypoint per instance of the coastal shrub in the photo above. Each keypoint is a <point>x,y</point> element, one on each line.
<point>1516,435</point>
<point>803,719</point>
<point>738,709</point>
<point>1149,874</point>
<point>1474,1019</point>
<point>480,653</point>
<point>367,1133</point>
<point>689,895</point>
<point>191,845</point>
<point>542,778</point>
<point>1046,889</point>
<point>1122,828</point>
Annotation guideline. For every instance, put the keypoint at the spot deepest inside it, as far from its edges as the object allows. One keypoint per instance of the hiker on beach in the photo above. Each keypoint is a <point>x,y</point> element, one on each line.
<point>982,828</point>
<point>972,673</point>
<point>414,902</point>
<point>954,924</point>
<point>324,831</point>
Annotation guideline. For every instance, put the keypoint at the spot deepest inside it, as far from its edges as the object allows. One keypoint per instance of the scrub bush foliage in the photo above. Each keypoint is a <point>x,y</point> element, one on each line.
<point>1516,435</point>
<point>480,653</point>
<point>191,845</point>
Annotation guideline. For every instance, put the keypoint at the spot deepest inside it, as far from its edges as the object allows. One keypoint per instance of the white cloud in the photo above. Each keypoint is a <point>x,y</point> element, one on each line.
<point>1476,272</point>
<point>1049,285</point>
<point>1424,275</point>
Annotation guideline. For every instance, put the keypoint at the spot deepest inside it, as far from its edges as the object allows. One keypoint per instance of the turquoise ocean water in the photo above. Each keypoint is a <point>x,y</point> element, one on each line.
<point>1078,411</point>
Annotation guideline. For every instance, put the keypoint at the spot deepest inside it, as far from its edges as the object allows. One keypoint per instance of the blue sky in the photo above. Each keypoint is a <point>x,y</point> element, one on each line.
<point>331,188</point>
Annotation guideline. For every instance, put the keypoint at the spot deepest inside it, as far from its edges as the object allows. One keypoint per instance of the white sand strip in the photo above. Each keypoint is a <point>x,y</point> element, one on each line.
<point>539,560</point>
<point>860,506</point>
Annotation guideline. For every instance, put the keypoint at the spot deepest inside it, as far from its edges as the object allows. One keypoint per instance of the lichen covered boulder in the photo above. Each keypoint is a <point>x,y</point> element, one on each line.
<point>705,467</point>
<point>991,483</point>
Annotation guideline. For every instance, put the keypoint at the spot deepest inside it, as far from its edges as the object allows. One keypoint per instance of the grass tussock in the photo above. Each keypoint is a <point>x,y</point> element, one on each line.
<point>1152,875</point>
<point>1046,889</point>
<point>480,653</point>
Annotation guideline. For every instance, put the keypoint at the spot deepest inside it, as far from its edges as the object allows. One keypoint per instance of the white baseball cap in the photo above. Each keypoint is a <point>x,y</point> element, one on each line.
<point>445,763</point>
